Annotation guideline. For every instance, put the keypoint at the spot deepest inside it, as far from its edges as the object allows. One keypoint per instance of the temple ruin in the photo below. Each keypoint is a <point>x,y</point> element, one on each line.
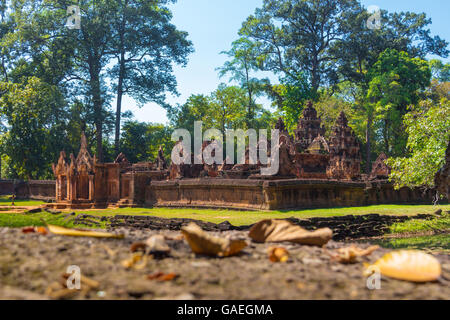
<point>314,172</point>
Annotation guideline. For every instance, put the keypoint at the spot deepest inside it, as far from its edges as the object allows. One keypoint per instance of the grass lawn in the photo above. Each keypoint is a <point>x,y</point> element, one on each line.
<point>6,201</point>
<point>417,226</point>
<point>237,218</point>
<point>240,218</point>
<point>439,243</point>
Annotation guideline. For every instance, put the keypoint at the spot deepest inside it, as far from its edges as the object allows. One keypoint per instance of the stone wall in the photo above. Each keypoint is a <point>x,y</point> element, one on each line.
<point>34,189</point>
<point>277,194</point>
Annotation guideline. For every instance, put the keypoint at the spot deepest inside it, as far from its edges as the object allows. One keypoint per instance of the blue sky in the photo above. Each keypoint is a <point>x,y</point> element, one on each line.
<point>213,25</point>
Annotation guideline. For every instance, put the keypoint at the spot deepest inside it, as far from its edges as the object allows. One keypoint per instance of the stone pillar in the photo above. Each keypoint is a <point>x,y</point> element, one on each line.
<point>91,188</point>
<point>58,189</point>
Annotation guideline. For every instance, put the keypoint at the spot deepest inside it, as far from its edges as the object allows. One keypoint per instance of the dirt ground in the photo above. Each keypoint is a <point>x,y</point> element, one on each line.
<point>30,263</point>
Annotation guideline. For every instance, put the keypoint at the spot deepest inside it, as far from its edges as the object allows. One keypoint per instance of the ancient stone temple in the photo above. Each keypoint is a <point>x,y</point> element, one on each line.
<point>345,155</point>
<point>85,183</point>
<point>309,127</point>
<point>75,181</point>
<point>313,172</point>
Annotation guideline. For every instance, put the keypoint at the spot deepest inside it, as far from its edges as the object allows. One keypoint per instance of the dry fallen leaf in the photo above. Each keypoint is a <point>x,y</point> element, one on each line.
<point>160,276</point>
<point>28,230</point>
<point>133,262</point>
<point>282,230</point>
<point>203,243</point>
<point>138,246</point>
<point>42,230</point>
<point>277,254</point>
<point>157,245</point>
<point>82,233</point>
<point>409,265</point>
<point>351,254</point>
<point>59,290</point>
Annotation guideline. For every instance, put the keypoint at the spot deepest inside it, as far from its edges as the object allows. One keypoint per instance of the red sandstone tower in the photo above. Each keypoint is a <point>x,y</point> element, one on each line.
<point>309,128</point>
<point>345,155</point>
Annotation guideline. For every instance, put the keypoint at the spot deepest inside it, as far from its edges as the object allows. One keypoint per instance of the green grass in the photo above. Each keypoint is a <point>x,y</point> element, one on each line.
<point>6,201</point>
<point>240,218</point>
<point>417,226</point>
<point>20,220</point>
<point>440,243</point>
<point>237,218</point>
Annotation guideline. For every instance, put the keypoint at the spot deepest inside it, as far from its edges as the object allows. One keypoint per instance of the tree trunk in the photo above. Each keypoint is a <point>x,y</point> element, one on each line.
<point>386,137</point>
<point>369,143</point>
<point>119,103</point>
<point>98,108</point>
<point>120,81</point>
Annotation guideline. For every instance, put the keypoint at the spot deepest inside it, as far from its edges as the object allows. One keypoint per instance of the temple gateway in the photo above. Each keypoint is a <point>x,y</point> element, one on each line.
<point>314,172</point>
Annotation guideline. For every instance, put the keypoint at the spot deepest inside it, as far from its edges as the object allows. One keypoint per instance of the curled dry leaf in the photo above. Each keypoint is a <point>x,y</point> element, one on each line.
<point>203,243</point>
<point>82,233</point>
<point>92,284</point>
<point>138,246</point>
<point>277,254</point>
<point>59,290</point>
<point>137,261</point>
<point>282,230</point>
<point>160,276</point>
<point>40,230</point>
<point>157,245</point>
<point>28,230</point>
<point>409,265</point>
<point>351,254</point>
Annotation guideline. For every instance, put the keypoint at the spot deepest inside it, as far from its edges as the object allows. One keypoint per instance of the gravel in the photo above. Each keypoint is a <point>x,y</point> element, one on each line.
<point>29,263</point>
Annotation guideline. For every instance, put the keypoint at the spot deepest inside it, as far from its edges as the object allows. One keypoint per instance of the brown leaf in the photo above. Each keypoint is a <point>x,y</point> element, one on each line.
<point>28,230</point>
<point>42,231</point>
<point>137,261</point>
<point>160,276</point>
<point>138,246</point>
<point>282,230</point>
<point>277,254</point>
<point>157,245</point>
<point>203,243</point>
<point>351,254</point>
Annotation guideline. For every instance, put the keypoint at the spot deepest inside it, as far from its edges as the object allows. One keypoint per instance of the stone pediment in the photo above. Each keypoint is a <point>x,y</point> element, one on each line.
<point>379,168</point>
<point>61,167</point>
<point>84,163</point>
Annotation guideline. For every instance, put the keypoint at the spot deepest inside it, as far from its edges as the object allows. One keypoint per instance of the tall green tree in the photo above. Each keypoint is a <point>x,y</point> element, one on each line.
<point>241,67</point>
<point>427,125</point>
<point>141,141</point>
<point>397,80</point>
<point>289,36</point>
<point>35,113</point>
<point>146,46</point>
<point>404,31</point>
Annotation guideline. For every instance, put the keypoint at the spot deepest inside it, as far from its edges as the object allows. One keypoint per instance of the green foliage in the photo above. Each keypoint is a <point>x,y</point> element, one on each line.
<point>146,46</point>
<point>440,71</point>
<point>427,126</point>
<point>396,81</point>
<point>240,68</point>
<point>35,114</point>
<point>437,224</point>
<point>290,97</point>
<point>225,108</point>
<point>288,36</point>
<point>141,141</point>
